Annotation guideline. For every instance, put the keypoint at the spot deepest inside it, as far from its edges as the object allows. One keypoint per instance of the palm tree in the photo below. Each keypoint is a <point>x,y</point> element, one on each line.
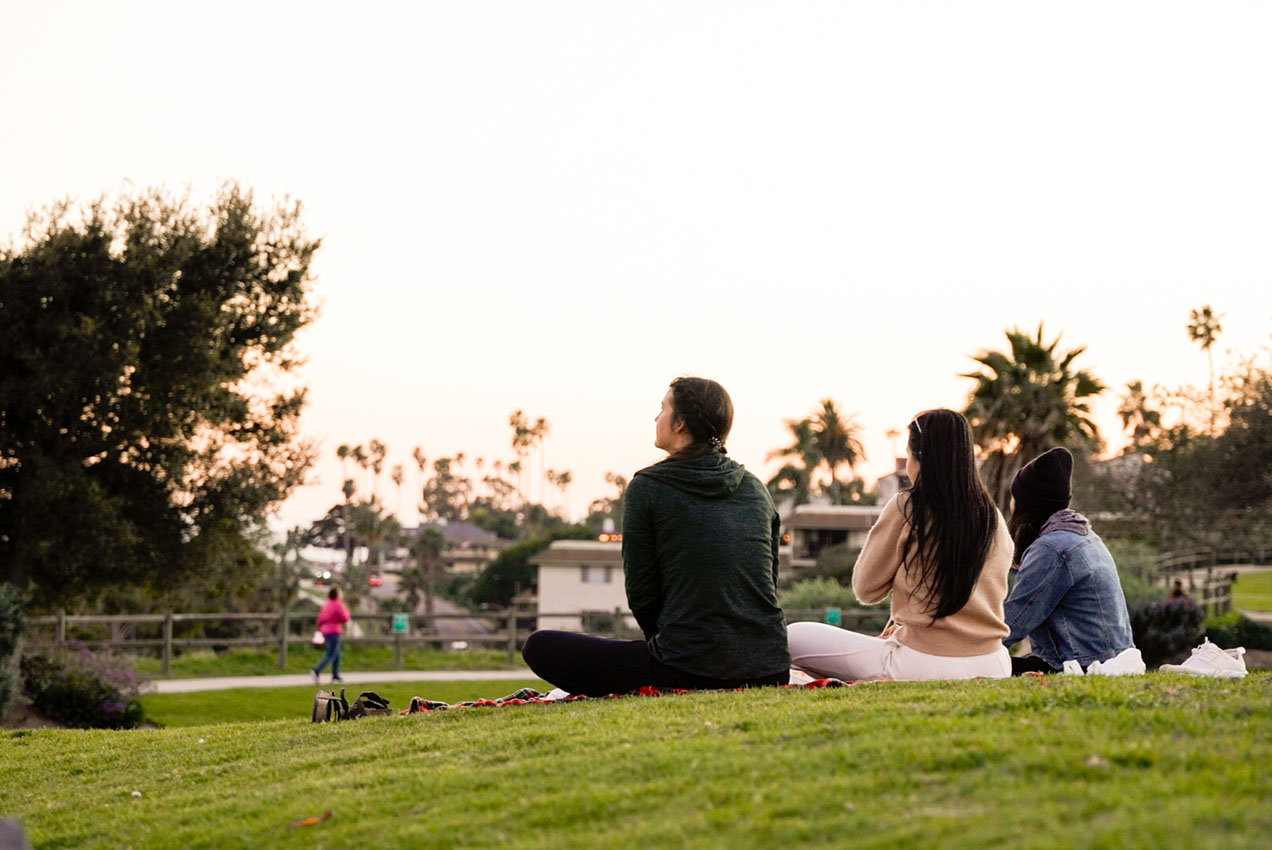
<point>792,478</point>
<point>1137,416</point>
<point>347,489</point>
<point>361,458</point>
<point>522,440</point>
<point>838,438</point>
<point>378,452</point>
<point>397,478</point>
<point>427,550</point>
<point>1025,401</point>
<point>1204,329</point>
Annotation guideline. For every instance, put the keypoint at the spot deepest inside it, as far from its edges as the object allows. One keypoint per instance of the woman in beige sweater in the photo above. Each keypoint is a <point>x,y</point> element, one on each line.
<point>942,550</point>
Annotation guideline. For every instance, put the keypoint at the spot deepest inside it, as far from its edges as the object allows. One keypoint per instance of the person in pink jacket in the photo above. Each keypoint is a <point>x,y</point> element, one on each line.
<point>331,620</point>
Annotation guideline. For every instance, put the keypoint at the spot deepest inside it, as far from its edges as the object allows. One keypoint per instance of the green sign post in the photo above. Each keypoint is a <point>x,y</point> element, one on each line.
<point>399,623</point>
<point>834,616</point>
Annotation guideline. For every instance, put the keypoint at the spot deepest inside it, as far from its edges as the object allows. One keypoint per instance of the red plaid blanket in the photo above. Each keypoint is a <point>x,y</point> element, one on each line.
<point>529,696</point>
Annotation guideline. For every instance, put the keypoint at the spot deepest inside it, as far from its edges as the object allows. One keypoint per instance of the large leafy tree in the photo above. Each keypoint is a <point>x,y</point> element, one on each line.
<point>1026,400</point>
<point>147,412</point>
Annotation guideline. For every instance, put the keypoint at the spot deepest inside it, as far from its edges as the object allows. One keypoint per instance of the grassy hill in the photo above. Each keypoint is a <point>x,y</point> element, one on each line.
<point>1155,761</point>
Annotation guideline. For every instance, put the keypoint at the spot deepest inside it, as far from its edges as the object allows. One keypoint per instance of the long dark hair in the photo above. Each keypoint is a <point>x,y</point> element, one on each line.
<point>707,413</point>
<point>1025,527</point>
<point>951,515</point>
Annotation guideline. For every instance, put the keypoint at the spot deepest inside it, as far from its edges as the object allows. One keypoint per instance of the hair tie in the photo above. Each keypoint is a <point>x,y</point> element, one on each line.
<point>717,444</point>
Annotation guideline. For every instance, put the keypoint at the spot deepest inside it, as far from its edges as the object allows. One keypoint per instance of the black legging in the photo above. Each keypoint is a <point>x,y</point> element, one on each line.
<point>1030,664</point>
<point>595,666</point>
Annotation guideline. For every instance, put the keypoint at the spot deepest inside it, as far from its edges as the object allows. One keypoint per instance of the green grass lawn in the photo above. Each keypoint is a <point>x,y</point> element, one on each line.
<point>255,704</point>
<point>1253,592</point>
<point>258,662</point>
<point>1154,761</point>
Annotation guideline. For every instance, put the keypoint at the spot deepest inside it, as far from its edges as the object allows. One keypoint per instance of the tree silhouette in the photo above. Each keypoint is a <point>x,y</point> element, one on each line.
<point>838,439</point>
<point>1025,401</point>
<point>796,479</point>
<point>1204,329</point>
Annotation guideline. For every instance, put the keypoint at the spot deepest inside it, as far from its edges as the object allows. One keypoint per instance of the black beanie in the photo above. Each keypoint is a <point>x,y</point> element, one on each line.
<point>1044,484</point>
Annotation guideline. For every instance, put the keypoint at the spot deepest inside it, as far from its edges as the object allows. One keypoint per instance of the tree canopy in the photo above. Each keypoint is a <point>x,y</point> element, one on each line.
<point>1025,401</point>
<point>148,412</point>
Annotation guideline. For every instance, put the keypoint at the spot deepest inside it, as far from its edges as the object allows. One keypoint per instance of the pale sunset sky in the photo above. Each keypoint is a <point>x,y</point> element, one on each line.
<point>559,207</point>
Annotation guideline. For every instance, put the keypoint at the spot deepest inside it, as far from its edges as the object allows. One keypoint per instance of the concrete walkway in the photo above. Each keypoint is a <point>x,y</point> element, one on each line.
<point>351,680</point>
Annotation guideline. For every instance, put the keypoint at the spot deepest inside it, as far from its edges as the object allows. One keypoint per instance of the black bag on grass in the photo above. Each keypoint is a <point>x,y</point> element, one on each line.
<point>328,707</point>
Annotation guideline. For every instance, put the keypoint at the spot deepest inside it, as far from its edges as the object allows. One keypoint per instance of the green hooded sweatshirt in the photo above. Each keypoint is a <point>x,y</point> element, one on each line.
<point>700,542</point>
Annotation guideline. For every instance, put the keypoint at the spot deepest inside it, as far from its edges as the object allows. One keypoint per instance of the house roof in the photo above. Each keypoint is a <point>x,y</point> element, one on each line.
<point>461,531</point>
<point>839,517</point>
<point>565,553</point>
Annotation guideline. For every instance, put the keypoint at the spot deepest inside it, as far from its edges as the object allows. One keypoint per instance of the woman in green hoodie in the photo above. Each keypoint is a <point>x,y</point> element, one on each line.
<point>700,538</point>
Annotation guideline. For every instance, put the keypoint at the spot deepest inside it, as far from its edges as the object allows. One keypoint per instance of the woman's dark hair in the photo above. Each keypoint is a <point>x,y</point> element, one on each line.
<point>1025,526</point>
<point>951,515</point>
<point>334,593</point>
<point>707,413</point>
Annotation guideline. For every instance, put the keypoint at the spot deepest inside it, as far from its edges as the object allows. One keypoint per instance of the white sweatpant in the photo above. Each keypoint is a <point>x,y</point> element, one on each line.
<point>828,651</point>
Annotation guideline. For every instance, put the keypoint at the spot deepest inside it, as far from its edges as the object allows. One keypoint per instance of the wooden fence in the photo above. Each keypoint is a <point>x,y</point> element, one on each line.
<point>1201,573</point>
<point>508,629</point>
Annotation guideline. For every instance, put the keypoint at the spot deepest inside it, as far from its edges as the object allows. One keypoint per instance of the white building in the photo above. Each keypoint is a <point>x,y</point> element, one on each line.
<point>580,576</point>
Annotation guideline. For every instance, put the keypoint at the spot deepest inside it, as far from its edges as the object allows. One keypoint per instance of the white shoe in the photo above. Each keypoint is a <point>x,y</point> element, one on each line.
<point>313,676</point>
<point>1128,662</point>
<point>1210,660</point>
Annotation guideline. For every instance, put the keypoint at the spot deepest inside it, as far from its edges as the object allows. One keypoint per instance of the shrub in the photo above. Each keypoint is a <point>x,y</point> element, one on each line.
<point>836,562</point>
<point>10,632</point>
<point>1134,558</point>
<point>814,593</point>
<point>1166,631</point>
<point>78,687</point>
<point>1232,629</point>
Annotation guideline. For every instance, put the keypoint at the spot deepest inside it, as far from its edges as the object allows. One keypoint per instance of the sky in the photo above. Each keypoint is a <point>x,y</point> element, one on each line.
<point>559,207</point>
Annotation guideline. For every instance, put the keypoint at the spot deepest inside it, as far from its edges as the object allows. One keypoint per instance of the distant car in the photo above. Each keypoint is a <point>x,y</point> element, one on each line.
<point>321,576</point>
<point>375,580</point>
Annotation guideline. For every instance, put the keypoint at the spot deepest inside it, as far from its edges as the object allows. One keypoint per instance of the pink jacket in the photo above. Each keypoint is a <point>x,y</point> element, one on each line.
<point>332,617</point>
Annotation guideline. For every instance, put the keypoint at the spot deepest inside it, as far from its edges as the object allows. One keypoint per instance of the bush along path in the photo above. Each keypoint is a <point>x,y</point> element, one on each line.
<point>1147,761</point>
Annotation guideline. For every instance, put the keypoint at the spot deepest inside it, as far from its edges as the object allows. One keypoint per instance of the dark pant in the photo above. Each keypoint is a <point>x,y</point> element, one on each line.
<point>333,655</point>
<point>1030,664</point>
<point>596,666</point>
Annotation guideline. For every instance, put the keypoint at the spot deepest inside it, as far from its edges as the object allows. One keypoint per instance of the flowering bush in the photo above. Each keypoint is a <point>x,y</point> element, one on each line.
<point>78,687</point>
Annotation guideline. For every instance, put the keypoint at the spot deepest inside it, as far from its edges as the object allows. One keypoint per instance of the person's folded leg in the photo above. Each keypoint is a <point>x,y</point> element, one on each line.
<point>828,651</point>
<point>586,664</point>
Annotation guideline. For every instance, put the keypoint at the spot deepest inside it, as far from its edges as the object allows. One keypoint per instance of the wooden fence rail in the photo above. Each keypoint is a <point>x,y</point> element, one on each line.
<point>285,629</point>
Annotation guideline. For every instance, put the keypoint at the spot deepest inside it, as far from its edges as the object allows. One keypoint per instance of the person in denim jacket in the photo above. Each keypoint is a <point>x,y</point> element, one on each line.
<point>1067,598</point>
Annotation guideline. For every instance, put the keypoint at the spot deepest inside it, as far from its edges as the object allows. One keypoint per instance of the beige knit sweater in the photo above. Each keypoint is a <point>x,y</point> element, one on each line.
<point>976,629</point>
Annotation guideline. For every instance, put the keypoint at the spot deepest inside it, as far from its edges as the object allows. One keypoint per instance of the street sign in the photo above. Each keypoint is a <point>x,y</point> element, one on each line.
<point>399,623</point>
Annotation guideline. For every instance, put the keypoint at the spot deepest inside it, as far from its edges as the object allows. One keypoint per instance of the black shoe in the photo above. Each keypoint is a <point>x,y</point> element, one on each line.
<point>336,679</point>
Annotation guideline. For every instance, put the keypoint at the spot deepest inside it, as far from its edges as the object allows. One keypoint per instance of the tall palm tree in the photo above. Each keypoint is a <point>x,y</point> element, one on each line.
<point>838,438</point>
<point>1025,401</point>
<point>522,439</point>
<point>1204,329</point>
<point>796,478</point>
<point>378,452</point>
<point>397,478</point>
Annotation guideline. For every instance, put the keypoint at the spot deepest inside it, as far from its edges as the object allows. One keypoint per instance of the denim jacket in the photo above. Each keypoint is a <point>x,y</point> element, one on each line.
<point>1067,598</point>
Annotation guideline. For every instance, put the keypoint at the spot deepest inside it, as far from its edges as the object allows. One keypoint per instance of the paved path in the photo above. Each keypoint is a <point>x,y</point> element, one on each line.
<point>184,686</point>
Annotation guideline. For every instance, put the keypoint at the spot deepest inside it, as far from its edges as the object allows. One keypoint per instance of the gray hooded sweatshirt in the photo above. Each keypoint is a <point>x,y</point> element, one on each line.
<point>700,542</point>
